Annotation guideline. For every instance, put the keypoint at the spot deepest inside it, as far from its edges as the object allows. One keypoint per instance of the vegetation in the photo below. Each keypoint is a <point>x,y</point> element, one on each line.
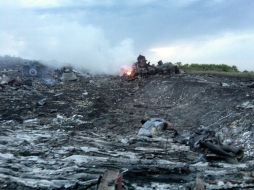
<point>208,67</point>
<point>216,69</point>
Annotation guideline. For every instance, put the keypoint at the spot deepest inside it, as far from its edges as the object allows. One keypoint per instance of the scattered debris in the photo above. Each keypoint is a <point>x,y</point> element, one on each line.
<point>142,69</point>
<point>212,145</point>
<point>36,70</point>
<point>108,180</point>
<point>66,135</point>
<point>199,185</point>
<point>42,102</point>
<point>223,84</point>
<point>154,127</point>
<point>4,79</point>
<point>246,105</point>
<point>251,85</point>
<point>167,68</point>
<point>68,74</point>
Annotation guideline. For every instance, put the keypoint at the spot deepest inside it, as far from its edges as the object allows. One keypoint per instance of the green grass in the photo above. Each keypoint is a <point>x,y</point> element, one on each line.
<point>215,69</point>
<point>221,73</point>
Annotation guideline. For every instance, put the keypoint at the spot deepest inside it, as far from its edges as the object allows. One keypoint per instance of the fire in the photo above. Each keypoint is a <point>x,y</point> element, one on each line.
<point>126,71</point>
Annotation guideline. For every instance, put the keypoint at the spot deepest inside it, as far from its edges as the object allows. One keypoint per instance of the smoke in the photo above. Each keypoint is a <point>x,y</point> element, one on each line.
<point>229,48</point>
<point>83,47</point>
<point>59,41</point>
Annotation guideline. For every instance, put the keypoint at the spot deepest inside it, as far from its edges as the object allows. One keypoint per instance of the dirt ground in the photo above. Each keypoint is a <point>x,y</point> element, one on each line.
<point>65,136</point>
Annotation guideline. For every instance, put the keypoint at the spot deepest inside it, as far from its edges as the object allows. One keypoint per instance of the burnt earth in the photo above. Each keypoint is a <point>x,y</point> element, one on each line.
<point>66,136</point>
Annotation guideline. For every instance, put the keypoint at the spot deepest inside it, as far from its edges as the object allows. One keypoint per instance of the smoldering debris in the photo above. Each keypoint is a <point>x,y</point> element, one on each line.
<point>67,135</point>
<point>142,68</point>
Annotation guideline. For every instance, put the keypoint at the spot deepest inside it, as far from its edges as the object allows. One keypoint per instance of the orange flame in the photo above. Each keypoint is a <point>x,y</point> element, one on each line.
<point>126,71</point>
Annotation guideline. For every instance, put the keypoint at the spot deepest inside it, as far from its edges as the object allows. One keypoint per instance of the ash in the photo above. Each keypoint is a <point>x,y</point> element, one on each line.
<point>67,134</point>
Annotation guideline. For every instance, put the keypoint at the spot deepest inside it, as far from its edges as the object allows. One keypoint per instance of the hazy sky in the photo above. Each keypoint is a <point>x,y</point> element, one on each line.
<point>103,35</point>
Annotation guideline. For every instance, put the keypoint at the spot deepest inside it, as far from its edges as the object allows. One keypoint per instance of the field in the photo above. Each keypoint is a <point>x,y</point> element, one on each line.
<point>65,136</point>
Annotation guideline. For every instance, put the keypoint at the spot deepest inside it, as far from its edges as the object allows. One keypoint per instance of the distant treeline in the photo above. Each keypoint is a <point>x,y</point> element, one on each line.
<point>208,67</point>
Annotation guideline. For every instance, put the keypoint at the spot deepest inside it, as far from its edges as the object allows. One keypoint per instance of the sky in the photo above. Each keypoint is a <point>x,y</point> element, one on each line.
<point>104,35</point>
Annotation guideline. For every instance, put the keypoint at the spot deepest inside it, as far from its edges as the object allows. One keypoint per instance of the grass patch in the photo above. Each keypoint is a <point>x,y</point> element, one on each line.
<point>215,69</point>
<point>249,75</point>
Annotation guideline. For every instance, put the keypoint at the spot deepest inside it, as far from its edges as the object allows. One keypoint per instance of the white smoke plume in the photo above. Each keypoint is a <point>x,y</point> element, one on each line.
<point>59,42</point>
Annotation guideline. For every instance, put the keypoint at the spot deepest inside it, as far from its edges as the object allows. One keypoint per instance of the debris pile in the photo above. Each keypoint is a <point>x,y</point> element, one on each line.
<point>154,127</point>
<point>86,133</point>
<point>142,68</point>
<point>213,146</point>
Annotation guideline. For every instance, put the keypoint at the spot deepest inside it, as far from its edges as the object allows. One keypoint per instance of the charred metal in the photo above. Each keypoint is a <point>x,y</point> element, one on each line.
<point>63,129</point>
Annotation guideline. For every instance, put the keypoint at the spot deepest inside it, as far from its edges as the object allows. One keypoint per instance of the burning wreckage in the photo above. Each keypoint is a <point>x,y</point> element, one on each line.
<point>64,130</point>
<point>142,69</point>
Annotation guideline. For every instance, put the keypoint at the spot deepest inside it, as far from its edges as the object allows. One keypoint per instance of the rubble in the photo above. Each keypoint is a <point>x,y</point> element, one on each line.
<point>143,69</point>
<point>246,105</point>
<point>154,127</point>
<point>68,74</point>
<point>108,180</point>
<point>42,102</point>
<point>251,85</point>
<point>223,84</point>
<point>4,79</point>
<point>214,146</point>
<point>167,68</point>
<point>67,135</point>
